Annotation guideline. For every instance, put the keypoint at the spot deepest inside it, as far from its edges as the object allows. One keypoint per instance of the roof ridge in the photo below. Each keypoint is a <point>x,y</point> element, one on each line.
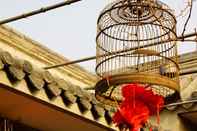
<point>47,55</point>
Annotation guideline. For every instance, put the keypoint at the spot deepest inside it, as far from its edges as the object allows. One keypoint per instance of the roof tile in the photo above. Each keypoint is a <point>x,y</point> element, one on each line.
<point>53,90</point>
<point>35,82</point>
<point>16,73</point>
<point>84,105</point>
<point>6,58</point>
<point>27,67</point>
<point>69,98</point>
<point>47,76</point>
<point>65,85</point>
<point>98,111</point>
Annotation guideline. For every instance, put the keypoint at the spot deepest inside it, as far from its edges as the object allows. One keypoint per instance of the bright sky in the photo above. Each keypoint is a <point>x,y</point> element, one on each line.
<point>71,30</point>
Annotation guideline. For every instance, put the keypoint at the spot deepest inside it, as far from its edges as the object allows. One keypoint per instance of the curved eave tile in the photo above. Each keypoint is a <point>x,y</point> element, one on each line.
<point>22,76</point>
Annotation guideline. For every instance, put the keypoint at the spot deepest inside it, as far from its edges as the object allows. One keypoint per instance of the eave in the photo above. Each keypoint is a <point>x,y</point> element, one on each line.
<point>26,109</point>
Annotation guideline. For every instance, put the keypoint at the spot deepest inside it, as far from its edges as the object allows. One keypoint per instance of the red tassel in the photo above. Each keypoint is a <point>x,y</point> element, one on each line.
<point>138,104</point>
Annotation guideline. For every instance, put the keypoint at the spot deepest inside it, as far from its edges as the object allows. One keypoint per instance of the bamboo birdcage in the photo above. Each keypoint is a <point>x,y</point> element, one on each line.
<point>132,47</point>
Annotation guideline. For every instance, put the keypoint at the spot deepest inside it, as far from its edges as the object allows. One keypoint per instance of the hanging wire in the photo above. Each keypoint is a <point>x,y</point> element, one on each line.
<point>35,12</point>
<point>181,103</point>
<point>190,3</point>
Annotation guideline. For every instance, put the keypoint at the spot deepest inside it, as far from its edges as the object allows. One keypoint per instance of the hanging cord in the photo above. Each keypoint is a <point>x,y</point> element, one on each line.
<point>190,3</point>
<point>35,12</point>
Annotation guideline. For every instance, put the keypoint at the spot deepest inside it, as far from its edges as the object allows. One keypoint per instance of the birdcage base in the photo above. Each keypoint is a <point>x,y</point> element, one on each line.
<point>150,80</point>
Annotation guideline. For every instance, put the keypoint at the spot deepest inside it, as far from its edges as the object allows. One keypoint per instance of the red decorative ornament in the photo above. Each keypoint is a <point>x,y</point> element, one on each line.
<point>139,103</point>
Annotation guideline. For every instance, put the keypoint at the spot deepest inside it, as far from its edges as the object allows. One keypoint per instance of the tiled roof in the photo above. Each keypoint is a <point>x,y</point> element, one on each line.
<point>22,46</point>
<point>36,80</point>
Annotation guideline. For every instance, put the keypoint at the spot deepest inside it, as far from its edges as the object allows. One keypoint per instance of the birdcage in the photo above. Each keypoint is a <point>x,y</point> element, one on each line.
<point>134,45</point>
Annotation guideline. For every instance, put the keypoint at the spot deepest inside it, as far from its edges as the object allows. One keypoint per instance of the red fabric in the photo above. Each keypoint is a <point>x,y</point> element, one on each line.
<point>138,104</point>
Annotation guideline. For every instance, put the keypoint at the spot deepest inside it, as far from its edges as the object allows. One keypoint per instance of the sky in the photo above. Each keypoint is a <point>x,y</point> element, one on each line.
<point>71,30</point>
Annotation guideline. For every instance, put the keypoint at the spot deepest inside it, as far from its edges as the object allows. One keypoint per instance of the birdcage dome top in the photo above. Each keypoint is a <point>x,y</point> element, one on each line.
<point>125,17</point>
<point>136,43</point>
